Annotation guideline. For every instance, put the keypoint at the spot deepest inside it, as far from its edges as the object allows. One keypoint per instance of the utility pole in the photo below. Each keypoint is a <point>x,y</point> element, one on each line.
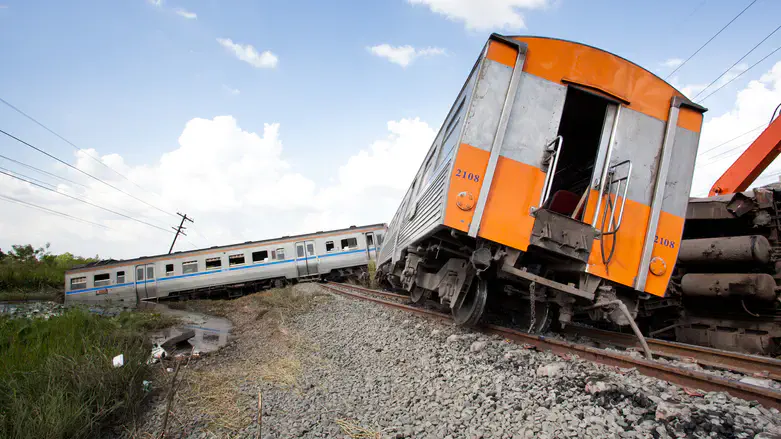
<point>179,230</point>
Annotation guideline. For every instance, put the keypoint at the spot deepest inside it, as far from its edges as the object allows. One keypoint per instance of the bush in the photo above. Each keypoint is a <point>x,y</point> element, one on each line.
<point>28,269</point>
<point>57,379</point>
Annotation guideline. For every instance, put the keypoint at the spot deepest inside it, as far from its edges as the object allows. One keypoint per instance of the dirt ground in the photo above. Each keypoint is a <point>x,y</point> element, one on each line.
<point>213,392</point>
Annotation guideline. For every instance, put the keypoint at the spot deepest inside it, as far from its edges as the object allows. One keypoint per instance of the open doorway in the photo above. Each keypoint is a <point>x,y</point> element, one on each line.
<point>581,126</point>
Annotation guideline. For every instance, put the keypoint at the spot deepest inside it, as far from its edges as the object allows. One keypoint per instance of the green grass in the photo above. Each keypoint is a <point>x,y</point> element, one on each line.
<point>372,274</point>
<point>57,378</point>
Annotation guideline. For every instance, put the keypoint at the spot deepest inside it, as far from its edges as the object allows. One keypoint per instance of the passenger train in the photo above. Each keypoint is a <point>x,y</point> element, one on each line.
<point>334,254</point>
<point>557,184</point>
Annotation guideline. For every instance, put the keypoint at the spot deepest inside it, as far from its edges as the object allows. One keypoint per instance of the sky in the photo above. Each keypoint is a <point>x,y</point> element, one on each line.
<point>267,118</point>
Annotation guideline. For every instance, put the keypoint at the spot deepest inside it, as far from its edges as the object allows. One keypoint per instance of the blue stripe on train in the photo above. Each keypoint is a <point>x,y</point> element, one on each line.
<point>200,273</point>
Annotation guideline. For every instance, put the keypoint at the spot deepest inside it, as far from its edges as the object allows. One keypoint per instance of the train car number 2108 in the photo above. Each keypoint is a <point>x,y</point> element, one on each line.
<point>467,175</point>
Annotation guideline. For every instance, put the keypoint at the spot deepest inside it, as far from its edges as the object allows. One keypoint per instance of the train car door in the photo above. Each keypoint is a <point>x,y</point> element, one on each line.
<point>146,286</point>
<point>306,258</point>
<point>371,246</point>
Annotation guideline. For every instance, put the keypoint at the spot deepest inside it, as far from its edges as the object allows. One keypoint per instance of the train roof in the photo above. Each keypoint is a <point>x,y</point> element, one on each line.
<point>237,246</point>
<point>598,71</point>
<point>563,40</point>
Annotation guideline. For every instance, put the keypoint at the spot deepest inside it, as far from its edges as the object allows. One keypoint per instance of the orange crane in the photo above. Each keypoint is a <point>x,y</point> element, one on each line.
<point>754,160</point>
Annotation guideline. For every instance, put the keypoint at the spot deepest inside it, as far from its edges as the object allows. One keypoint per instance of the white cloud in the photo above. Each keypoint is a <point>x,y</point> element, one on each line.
<point>483,14</point>
<point>157,3</point>
<point>231,91</point>
<point>753,107</point>
<point>186,14</point>
<point>403,55</point>
<point>672,62</point>
<point>249,54</point>
<point>235,183</point>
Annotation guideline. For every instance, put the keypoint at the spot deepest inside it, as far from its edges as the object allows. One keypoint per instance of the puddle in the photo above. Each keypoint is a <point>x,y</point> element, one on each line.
<point>211,333</point>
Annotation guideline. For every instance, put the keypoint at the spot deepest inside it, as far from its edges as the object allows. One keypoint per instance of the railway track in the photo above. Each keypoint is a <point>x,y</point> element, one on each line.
<point>735,362</point>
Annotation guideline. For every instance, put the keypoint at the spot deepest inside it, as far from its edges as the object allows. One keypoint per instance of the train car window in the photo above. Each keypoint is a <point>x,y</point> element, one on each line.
<point>236,259</point>
<point>310,249</point>
<point>329,246</point>
<point>190,267</point>
<point>169,269</point>
<point>120,277</point>
<point>261,255</point>
<point>139,274</point>
<point>213,263</point>
<point>369,240</point>
<point>300,251</point>
<point>349,243</point>
<point>78,283</point>
<point>150,272</point>
<point>379,240</point>
<point>280,254</point>
<point>101,280</point>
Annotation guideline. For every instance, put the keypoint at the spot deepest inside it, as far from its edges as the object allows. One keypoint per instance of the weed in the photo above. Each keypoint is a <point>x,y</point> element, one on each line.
<point>57,379</point>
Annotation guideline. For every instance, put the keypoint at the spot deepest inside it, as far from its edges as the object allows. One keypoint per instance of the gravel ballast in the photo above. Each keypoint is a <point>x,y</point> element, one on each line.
<point>372,371</point>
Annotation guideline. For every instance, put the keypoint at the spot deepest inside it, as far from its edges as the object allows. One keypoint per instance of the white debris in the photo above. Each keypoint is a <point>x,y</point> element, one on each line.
<point>598,386</point>
<point>761,382</point>
<point>119,360</point>
<point>551,370</point>
<point>477,346</point>
<point>158,353</point>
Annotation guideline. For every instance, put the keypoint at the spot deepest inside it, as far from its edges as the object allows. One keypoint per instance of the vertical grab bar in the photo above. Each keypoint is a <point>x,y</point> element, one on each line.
<point>606,164</point>
<point>554,162</point>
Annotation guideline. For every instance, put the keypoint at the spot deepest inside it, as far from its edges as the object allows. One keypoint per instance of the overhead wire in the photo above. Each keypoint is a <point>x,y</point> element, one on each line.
<point>710,39</point>
<point>27,176</point>
<point>87,202</point>
<point>56,188</point>
<point>55,212</point>
<point>731,151</point>
<point>741,73</point>
<point>79,170</point>
<point>730,140</point>
<point>736,62</point>
<point>42,171</point>
<point>96,159</point>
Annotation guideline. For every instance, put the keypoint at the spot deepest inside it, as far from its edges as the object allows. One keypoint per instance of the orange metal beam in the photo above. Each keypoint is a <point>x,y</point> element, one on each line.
<point>755,159</point>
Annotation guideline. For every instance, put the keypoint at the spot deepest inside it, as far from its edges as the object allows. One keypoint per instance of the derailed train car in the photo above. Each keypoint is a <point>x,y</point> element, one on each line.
<point>246,267</point>
<point>558,184</point>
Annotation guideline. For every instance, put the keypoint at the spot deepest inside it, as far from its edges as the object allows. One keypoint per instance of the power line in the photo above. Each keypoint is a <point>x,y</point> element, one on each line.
<point>741,73</point>
<point>711,39</point>
<point>55,188</point>
<point>730,140</point>
<point>27,176</point>
<point>736,62</point>
<point>728,152</point>
<point>41,171</point>
<point>79,170</point>
<point>63,214</point>
<point>87,202</point>
<point>77,148</point>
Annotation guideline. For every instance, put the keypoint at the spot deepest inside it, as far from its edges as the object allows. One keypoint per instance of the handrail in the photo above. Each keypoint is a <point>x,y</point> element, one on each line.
<point>548,183</point>
<point>618,182</point>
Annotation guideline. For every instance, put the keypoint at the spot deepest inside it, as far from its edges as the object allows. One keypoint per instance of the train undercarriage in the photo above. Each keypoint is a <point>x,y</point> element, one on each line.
<point>723,293</point>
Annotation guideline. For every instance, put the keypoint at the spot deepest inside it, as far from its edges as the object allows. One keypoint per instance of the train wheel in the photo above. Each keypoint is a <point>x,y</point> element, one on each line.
<point>543,317</point>
<point>469,310</point>
<point>418,295</point>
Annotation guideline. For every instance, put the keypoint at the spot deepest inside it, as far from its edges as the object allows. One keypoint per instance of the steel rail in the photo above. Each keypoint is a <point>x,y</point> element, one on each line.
<point>677,375</point>
<point>715,358</point>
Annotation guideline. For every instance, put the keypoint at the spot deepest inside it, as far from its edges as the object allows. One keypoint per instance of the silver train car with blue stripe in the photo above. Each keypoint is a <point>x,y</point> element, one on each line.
<point>240,268</point>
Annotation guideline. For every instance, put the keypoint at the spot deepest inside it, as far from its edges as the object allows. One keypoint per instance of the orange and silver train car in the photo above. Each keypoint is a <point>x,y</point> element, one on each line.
<point>559,179</point>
